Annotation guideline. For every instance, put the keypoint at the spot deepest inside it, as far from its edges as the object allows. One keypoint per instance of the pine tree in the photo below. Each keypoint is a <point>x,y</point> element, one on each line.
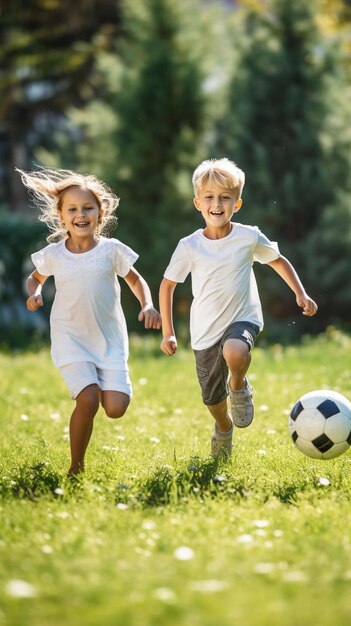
<point>147,139</point>
<point>280,103</point>
<point>161,114</point>
<point>46,57</point>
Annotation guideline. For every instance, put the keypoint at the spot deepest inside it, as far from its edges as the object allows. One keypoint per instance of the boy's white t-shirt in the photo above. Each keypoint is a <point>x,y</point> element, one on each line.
<point>87,322</point>
<point>223,282</point>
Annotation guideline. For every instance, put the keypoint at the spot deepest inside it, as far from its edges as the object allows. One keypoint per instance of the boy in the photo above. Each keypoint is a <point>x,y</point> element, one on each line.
<point>226,314</point>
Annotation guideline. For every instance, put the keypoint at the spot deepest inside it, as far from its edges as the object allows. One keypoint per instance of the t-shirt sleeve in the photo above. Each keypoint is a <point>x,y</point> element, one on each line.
<point>43,261</point>
<point>265,250</point>
<point>179,265</point>
<point>124,258</point>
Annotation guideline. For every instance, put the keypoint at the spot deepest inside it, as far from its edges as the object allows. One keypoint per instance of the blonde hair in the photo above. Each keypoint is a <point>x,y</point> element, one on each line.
<point>222,172</point>
<point>47,187</point>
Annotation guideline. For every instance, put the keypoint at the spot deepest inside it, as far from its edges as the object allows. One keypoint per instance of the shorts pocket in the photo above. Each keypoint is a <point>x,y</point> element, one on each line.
<point>202,374</point>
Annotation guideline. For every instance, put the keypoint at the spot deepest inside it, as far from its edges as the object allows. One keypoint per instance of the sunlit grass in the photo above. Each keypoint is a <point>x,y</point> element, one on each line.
<point>157,532</point>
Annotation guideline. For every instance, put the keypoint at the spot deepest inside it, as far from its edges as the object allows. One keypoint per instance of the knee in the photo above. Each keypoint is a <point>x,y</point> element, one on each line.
<point>236,354</point>
<point>116,409</point>
<point>115,412</point>
<point>88,400</point>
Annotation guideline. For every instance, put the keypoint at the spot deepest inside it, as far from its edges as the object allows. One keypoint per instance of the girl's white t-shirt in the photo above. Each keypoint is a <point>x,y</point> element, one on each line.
<point>223,282</point>
<point>87,322</point>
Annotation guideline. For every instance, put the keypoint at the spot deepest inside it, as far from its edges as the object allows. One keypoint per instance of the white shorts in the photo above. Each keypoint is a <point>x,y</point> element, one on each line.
<point>77,376</point>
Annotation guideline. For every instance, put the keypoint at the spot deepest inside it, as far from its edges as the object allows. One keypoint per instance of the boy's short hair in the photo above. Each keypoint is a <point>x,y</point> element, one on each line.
<point>222,172</point>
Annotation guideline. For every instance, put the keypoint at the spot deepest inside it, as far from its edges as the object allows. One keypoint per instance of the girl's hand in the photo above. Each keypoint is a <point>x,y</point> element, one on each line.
<point>151,317</point>
<point>308,305</point>
<point>169,345</point>
<point>34,302</point>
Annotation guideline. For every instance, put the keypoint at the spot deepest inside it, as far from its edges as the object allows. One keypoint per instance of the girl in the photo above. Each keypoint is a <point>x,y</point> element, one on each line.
<point>89,342</point>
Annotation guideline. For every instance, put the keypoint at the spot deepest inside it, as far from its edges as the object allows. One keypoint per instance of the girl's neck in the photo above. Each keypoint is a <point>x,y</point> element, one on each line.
<point>77,246</point>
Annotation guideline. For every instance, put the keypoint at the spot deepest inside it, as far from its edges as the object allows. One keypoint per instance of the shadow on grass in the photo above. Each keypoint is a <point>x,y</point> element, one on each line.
<point>208,478</point>
<point>200,478</point>
<point>30,481</point>
<point>186,480</point>
<point>288,493</point>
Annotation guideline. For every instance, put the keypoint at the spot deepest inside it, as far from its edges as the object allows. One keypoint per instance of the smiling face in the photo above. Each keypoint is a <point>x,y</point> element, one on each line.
<point>80,213</point>
<point>217,205</point>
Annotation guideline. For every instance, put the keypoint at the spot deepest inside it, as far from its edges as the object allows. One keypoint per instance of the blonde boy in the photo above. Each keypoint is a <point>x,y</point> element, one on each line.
<point>226,314</point>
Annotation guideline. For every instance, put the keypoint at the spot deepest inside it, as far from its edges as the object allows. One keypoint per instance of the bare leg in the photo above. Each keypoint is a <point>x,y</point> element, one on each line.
<point>222,438</point>
<point>115,403</point>
<point>81,426</point>
<point>237,355</point>
<point>220,413</point>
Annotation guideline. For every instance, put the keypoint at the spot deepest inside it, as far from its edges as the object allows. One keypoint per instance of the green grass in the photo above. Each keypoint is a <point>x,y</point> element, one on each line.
<point>158,533</point>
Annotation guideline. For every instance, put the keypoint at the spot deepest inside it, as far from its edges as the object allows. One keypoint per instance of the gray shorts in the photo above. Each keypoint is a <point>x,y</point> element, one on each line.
<point>211,368</point>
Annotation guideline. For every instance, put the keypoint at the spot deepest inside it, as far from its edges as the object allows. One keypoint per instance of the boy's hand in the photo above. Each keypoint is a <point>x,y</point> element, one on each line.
<point>151,317</point>
<point>34,302</point>
<point>169,345</point>
<point>308,305</point>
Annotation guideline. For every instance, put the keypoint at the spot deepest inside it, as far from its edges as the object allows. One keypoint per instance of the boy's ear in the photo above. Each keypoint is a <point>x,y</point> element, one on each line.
<point>197,203</point>
<point>238,205</point>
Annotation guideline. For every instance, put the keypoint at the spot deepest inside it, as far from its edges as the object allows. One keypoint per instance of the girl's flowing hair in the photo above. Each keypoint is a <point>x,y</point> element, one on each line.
<point>47,187</point>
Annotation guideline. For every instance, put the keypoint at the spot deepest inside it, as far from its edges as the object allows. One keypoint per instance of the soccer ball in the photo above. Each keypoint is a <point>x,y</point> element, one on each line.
<point>320,424</point>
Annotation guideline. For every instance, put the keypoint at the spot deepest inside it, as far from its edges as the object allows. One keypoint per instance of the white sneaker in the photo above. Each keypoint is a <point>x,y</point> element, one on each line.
<point>242,405</point>
<point>222,443</point>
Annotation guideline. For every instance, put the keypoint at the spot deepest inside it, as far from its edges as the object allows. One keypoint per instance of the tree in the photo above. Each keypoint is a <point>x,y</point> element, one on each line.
<point>46,56</point>
<point>279,130</point>
<point>145,134</point>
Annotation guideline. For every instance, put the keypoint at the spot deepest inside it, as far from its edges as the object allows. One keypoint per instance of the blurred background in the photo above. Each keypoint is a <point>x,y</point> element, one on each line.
<point>139,92</point>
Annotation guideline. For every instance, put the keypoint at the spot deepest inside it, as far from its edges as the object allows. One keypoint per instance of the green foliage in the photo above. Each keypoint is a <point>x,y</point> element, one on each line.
<point>47,53</point>
<point>139,93</point>
<point>19,236</point>
<point>281,129</point>
<point>152,91</point>
<point>330,250</point>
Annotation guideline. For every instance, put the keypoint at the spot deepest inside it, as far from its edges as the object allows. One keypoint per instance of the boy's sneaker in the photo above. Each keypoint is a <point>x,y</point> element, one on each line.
<point>242,405</point>
<point>222,443</point>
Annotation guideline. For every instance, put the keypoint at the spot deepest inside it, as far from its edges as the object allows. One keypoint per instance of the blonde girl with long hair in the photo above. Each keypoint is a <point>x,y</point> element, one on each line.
<point>89,341</point>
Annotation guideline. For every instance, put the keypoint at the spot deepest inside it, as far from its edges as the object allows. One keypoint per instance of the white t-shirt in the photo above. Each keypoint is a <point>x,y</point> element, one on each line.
<point>87,322</point>
<point>223,283</point>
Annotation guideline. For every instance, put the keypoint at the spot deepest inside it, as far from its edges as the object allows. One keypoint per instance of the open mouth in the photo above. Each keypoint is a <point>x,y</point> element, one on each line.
<point>82,224</point>
<point>217,213</point>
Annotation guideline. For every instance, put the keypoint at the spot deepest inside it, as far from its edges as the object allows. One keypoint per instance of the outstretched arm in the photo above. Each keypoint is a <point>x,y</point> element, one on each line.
<point>169,342</point>
<point>287,272</point>
<point>35,283</point>
<point>140,288</point>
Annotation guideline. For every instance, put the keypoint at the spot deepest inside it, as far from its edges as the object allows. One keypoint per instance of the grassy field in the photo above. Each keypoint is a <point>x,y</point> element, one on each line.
<point>158,533</point>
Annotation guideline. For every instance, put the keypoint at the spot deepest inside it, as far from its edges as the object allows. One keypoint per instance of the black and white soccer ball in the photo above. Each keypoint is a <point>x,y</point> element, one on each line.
<point>320,424</point>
